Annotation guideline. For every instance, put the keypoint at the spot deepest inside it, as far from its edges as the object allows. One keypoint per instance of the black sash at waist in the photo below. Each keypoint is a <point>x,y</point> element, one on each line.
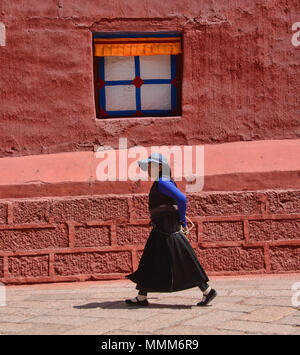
<point>163,208</point>
<point>165,218</point>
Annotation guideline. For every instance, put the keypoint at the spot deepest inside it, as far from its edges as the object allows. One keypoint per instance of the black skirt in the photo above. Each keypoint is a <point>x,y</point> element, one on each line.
<point>168,263</point>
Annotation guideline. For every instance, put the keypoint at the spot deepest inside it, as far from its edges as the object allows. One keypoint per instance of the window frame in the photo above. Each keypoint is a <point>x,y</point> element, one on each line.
<point>100,83</point>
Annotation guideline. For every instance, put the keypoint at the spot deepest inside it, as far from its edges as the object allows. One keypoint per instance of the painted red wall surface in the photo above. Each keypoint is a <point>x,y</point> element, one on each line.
<point>239,73</point>
<point>240,83</point>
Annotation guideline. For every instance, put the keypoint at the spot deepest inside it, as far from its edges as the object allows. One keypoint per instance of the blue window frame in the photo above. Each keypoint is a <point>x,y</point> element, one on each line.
<point>138,85</point>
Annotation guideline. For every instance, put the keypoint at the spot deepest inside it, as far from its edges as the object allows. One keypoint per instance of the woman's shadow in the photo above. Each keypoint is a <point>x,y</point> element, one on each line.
<point>123,305</point>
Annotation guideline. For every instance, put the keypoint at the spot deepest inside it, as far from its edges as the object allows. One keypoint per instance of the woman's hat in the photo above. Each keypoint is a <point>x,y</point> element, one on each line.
<point>157,158</point>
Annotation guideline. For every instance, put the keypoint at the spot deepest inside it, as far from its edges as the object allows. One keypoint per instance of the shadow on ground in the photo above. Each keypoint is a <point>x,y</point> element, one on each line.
<point>123,305</point>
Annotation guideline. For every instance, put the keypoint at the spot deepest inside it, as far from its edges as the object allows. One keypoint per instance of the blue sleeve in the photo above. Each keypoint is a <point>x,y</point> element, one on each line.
<point>168,188</point>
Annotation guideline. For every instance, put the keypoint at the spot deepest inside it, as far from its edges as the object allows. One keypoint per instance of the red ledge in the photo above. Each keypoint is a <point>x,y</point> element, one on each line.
<point>238,166</point>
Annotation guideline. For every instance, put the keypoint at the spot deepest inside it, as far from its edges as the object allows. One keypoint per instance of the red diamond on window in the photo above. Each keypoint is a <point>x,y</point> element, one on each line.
<point>103,113</point>
<point>138,113</point>
<point>100,84</point>
<point>174,82</point>
<point>137,81</point>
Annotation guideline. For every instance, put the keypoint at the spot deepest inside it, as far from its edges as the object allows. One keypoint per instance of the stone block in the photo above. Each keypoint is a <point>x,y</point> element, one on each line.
<point>30,212</point>
<point>3,213</point>
<point>267,230</point>
<point>132,234</point>
<point>34,238</point>
<point>92,236</point>
<point>285,258</point>
<point>284,202</point>
<point>92,262</point>
<point>221,204</point>
<point>89,208</point>
<point>140,204</point>
<point>223,231</point>
<point>28,266</point>
<point>231,259</point>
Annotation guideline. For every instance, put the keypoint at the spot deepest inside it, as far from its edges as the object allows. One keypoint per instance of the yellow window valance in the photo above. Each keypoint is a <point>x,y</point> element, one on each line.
<point>136,46</point>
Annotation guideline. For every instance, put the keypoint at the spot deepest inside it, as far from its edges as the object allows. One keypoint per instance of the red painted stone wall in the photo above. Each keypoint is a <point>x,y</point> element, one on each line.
<point>240,83</point>
<point>94,238</point>
<point>239,77</point>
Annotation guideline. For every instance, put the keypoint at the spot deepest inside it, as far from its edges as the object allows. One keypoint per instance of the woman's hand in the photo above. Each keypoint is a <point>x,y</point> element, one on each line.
<point>184,229</point>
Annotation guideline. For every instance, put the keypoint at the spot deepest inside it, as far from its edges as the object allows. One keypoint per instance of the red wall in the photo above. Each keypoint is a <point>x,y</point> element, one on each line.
<point>80,238</point>
<point>239,77</point>
<point>239,84</point>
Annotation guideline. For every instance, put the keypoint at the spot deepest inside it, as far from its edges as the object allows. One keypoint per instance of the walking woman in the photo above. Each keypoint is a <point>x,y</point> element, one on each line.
<point>168,262</point>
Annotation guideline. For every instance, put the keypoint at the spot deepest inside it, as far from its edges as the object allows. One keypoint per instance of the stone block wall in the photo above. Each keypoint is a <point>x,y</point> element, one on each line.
<point>102,237</point>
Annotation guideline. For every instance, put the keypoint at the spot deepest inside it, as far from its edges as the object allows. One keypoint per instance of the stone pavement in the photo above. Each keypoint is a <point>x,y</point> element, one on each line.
<point>255,304</point>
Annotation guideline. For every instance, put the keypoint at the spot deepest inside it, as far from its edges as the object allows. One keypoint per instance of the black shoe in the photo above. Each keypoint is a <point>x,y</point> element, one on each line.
<point>143,303</point>
<point>208,298</point>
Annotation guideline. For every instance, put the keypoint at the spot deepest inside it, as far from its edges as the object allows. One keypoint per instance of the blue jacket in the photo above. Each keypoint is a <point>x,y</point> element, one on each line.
<point>165,191</point>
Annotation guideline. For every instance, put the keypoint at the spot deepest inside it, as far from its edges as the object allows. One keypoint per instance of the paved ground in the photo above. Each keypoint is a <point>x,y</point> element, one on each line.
<point>245,305</point>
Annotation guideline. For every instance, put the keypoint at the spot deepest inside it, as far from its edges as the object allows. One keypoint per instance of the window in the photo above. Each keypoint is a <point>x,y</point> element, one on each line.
<point>137,75</point>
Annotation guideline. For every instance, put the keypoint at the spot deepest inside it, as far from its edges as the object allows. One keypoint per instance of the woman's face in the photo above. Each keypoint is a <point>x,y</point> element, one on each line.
<point>153,170</point>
